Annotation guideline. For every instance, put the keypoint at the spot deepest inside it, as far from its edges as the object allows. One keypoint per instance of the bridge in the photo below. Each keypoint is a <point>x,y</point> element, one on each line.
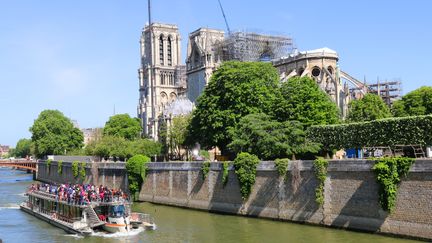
<point>29,165</point>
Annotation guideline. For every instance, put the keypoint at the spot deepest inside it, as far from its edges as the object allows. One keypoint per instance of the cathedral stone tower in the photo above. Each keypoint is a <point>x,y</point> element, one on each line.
<point>202,59</point>
<point>161,76</point>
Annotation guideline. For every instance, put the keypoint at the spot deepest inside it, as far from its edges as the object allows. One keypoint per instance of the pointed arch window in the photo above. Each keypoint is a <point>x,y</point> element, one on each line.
<point>169,51</point>
<point>161,50</point>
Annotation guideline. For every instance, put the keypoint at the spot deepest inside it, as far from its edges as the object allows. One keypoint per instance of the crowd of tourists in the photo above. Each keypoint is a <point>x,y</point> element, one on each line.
<point>81,194</point>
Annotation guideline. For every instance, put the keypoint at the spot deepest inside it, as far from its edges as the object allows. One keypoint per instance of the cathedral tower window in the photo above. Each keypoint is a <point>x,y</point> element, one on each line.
<point>169,51</point>
<point>161,50</point>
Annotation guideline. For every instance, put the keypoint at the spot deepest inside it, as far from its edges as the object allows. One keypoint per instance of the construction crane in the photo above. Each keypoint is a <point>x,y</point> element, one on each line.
<point>226,22</point>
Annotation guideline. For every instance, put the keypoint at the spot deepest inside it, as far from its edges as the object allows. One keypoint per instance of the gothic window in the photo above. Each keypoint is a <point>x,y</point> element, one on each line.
<point>162,78</point>
<point>169,51</point>
<point>161,50</point>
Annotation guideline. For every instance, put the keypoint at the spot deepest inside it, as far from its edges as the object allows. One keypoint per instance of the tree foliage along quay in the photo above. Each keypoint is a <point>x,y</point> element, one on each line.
<point>124,126</point>
<point>119,148</point>
<point>415,103</point>
<point>385,132</point>
<point>22,148</point>
<point>235,90</point>
<point>53,133</point>
<point>370,107</point>
<point>269,139</point>
<point>304,101</point>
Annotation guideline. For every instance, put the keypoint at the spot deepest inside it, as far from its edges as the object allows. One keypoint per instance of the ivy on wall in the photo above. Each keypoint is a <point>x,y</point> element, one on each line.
<point>392,131</point>
<point>75,169</point>
<point>48,162</point>
<point>205,168</point>
<point>136,168</point>
<point>320,168</point>
<point>225,173</point>
<point>245,165</point>
<point>82,170</point>
<point>60,167</point>
<point>282,167</point>
<point>388,175</point>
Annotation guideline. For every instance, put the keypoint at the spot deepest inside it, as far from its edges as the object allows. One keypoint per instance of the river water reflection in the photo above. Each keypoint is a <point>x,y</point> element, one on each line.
<point>174,224</point>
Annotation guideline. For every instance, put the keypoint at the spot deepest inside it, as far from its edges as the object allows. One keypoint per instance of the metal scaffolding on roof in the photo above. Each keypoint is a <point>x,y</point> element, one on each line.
<point>247,46</point>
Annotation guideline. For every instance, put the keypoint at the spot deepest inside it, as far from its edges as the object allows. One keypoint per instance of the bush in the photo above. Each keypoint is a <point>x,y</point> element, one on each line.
<point>136,168</point>
<point>245,168</point>
<point>388,175</point>
<point>320,168</point>
<point>385,132</point>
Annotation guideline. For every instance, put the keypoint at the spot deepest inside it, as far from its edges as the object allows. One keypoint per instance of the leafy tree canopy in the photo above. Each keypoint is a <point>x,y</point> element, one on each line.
<point>269,139</point>
<point>370,107</point>
<point>415,103</point>
<point>124,126</point>
<point>235,90</point>
<point>53,133</point>
<point>22,148</point>
<point>304,101</point>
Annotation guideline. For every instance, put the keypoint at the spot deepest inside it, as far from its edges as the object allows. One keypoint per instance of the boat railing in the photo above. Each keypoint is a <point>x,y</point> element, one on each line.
<point>141,217</point>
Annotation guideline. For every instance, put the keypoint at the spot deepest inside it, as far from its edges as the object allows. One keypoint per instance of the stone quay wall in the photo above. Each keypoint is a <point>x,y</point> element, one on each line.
<point>351,198</point>
<point>111,174</point>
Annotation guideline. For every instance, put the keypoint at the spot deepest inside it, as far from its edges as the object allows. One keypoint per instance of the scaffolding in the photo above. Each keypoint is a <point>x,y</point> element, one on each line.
<point>389,91</point>
<point>247,46</point>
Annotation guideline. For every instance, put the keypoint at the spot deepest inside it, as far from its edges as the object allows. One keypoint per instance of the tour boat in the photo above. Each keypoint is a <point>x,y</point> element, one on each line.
<point>114,216</point>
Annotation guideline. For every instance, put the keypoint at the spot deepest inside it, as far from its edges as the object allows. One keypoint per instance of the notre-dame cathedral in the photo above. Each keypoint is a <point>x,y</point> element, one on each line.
<point>168,88</point>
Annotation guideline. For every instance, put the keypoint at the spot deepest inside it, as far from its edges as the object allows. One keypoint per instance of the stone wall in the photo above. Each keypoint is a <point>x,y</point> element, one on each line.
<point>109,174</point>
<point>350,195</point>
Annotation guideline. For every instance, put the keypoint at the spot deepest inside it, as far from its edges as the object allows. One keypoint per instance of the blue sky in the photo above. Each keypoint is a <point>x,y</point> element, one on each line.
<point>81,56</point>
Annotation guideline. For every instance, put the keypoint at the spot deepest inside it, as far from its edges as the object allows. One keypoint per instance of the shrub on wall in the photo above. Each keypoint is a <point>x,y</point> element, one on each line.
<point>75,169</point>
<point>388,175</point>
<point>282,167</point>
<point>320,168</point>
<point>385,132</point>
<point>205,168</point>
<point>60,167</point>
<point>225,173</point>
<point>136,168</point>
<point>82,170</point>
<point>245,168</point>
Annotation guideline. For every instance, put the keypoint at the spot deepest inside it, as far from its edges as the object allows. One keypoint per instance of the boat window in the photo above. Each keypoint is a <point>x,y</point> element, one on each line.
<point>117,211</point>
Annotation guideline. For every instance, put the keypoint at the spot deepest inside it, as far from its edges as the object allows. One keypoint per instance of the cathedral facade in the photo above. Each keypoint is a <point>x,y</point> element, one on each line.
<point>161,75</point>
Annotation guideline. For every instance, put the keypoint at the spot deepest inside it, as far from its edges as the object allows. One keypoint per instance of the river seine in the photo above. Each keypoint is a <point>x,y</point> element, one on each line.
<point>173,224</point>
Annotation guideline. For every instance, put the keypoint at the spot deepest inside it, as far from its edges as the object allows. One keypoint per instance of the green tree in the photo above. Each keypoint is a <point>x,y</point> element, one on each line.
<point>370,107</point>
<point>53,133</point>
<point>136,171</point>
<point>269,139</point>
<point>177,134</point>
<point>116,147</point>
<point>146,147</point>
<point>22,148</point>
<point>415,103</point>
<point>235,90</point>
<point>304,101</point>
<point>124,126</point>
